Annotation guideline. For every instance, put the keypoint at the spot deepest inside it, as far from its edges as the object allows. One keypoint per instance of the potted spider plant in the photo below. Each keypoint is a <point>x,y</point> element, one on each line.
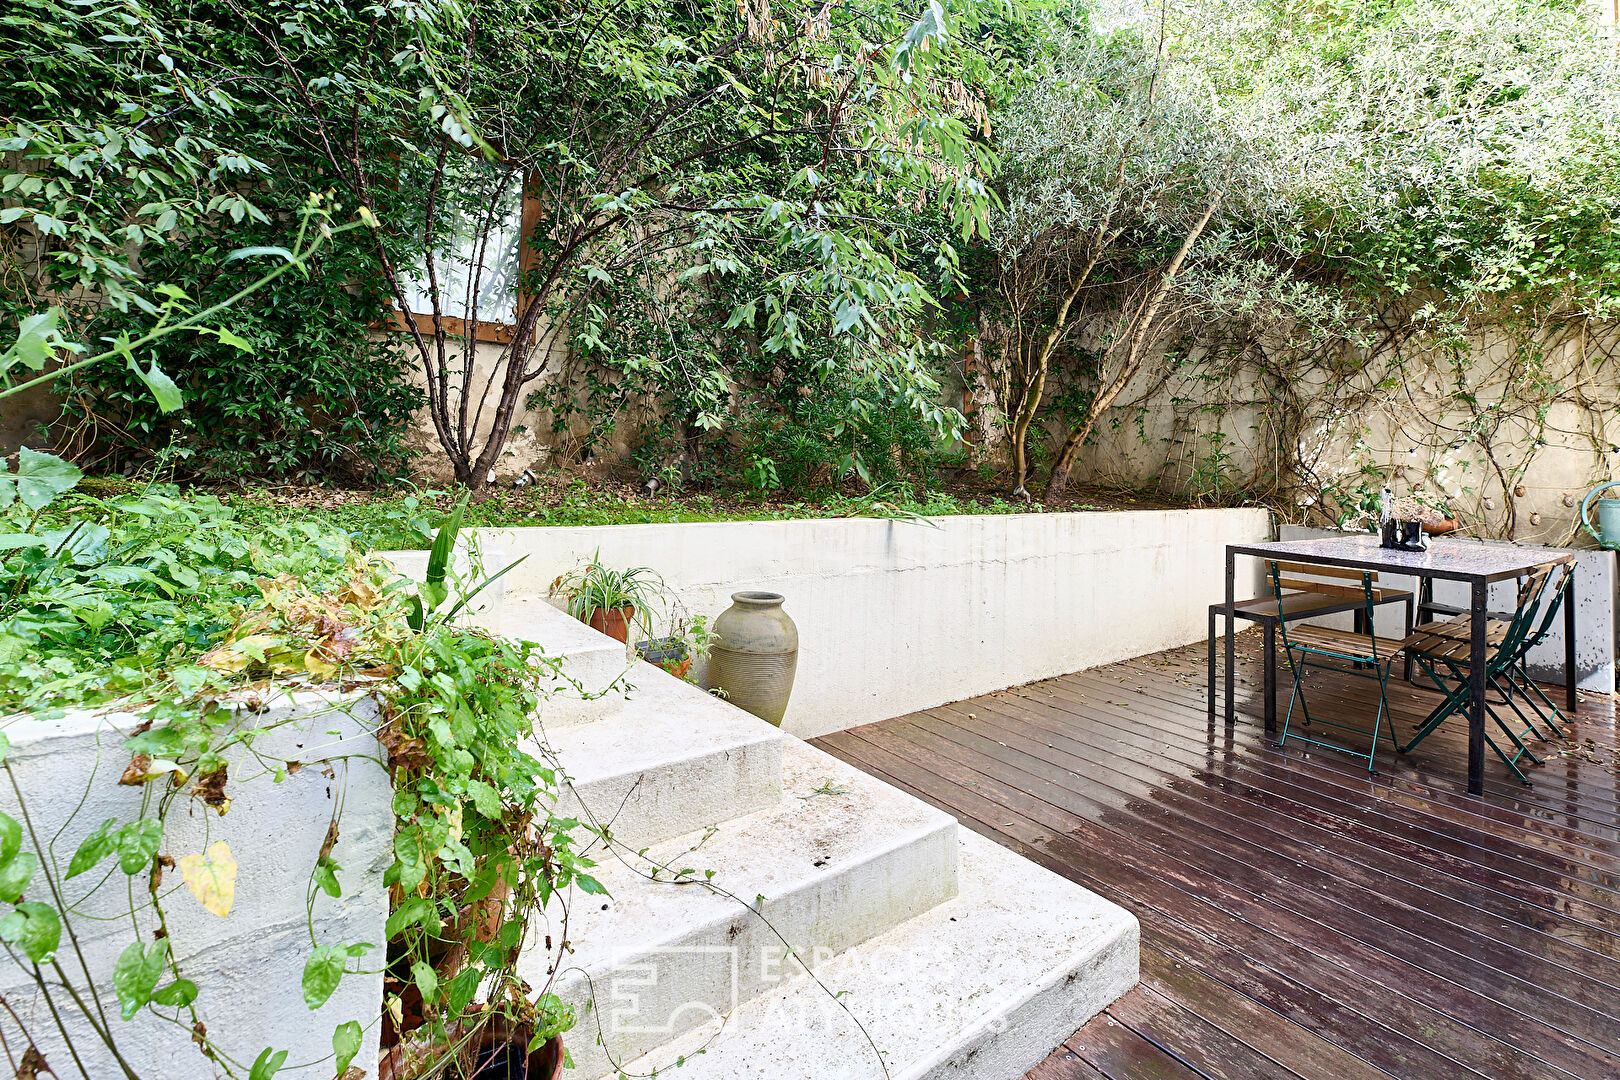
<point>609,599</point>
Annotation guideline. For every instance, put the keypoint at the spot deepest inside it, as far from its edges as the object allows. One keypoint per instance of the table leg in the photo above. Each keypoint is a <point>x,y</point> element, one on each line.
<point>1570,674</point>
<point>1231,644</point>
<point>1210,688</point>
<point>1476,690</point>
<point>1409,624</point>
<point>1271,677</point>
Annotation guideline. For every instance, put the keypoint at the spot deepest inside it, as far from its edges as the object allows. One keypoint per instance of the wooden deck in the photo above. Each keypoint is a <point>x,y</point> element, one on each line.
<point>1299,919</point>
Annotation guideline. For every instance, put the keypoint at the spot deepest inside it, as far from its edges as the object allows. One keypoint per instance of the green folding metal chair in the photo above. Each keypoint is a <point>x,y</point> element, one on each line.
<point>1305,643</point>
<point>1518,675</point>
<point>1442,652</point>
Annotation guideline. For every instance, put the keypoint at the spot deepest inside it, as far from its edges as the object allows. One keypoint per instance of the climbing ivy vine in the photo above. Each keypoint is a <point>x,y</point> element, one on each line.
<point>198,633</point>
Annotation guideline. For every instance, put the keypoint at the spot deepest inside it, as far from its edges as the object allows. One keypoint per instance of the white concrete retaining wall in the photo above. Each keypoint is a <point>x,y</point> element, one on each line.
<point>898,616</point>
<point>248,965</point>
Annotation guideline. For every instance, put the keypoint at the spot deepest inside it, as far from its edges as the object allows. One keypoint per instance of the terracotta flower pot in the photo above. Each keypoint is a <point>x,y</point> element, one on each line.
<point>614,622</point>
<point>1440,528</point>
<point>498,1051</point>
<point>510,1059</point>
<point>546,1063</point>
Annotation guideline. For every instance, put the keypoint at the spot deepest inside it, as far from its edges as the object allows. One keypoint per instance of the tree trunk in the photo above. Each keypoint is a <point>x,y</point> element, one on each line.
<point>1035,386</point>
<point>1020,433</point>
<point>1140,338</point>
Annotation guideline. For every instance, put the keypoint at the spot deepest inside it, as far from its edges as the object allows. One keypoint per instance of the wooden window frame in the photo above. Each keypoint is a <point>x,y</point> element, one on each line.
<point>493,333</point>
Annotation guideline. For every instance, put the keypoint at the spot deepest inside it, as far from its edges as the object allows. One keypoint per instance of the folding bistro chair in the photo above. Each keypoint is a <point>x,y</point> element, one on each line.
<point>1304,643</point>
<point>1518,675</point>
<point>1515,682</point>
<point>1442,651</point>
<point>1308,590</point>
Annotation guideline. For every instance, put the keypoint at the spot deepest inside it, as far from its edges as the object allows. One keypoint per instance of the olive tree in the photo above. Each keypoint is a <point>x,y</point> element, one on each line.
<point>1457,166</point>
<point>1388,179</point>
<point>1130,168</point>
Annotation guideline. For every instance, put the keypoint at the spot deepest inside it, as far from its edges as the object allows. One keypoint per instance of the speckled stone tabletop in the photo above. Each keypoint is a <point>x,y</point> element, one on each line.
<point>1459,560</point>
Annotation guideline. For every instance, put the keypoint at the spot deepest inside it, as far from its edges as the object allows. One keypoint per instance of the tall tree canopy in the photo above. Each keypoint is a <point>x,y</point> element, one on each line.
<point>1232,175</point>
<point>781,148</point>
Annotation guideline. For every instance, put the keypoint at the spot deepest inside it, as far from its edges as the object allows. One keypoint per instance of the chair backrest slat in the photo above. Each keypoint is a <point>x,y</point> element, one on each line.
<point>1343,573</point>
<point>1554,597</point>
<point>1329,588</point>
<point>1523,630</point>
<point>1363,591</point>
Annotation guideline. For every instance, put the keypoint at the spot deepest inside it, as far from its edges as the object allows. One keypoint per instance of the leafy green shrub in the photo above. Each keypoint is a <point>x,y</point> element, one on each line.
<point>806,443</point>
<point>165,605</point>
<point>320,395</point>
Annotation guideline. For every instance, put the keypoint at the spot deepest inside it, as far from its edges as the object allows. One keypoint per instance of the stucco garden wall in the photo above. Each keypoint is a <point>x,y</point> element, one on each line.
<point>1551,437</point>
<point>248,965</point>
<point>896,616</point>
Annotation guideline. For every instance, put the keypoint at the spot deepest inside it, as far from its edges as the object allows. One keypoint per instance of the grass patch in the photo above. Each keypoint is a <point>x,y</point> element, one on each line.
<point>406,517</point>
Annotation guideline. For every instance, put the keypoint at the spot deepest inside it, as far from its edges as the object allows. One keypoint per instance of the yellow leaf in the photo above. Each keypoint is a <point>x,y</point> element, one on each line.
<point>360,593</point>
<point>212,877</point>
<point>238,654</point>
<point>254,646</point>
<point>317,666</point>
<point>224,660</point>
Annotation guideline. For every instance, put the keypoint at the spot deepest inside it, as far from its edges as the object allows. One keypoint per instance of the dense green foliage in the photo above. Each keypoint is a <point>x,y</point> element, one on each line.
<point>653,152</point>
<point>103,598</point>
<point>116,124</point>
<point>1374,225</point>
<point>129,203</point>
<point>318,397</point>
<point>175,609</point>
<point>722,198</point>
<point>741,221</point>
<point>390,521</point>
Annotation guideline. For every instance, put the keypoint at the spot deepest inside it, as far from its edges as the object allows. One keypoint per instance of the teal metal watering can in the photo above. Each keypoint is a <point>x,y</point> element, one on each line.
<point>1607,532</point>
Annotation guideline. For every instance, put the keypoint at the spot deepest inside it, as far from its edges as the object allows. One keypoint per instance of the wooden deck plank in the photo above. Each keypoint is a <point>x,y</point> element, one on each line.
<point>1247,1021</point>
<point>1498,845</point>
<point>1432,769</point>
<point>1584,798</point>
<point>1202,940</point>
<point>1063,1064</point>
<point>1520,854</point>
<point>1119,1053</point>
<point>1195,1041</point>
<point>1299,918</point>
<point>1489,1002</point>
<point>1258,855</point>
<point>1329,844</point>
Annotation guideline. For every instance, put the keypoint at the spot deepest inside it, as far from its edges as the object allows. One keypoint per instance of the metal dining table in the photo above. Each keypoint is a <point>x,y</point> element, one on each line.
<point>1476,564</point>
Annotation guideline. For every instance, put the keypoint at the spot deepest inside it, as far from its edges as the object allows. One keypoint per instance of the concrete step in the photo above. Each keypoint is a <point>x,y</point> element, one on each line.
<point>839,860</point>
<point>596,668</point>
<point>983,987</point>
<point>673,760</point>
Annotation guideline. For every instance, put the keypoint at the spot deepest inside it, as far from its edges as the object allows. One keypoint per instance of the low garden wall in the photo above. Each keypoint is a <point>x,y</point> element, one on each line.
<point>247,955</point>
<point>896,616</point>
